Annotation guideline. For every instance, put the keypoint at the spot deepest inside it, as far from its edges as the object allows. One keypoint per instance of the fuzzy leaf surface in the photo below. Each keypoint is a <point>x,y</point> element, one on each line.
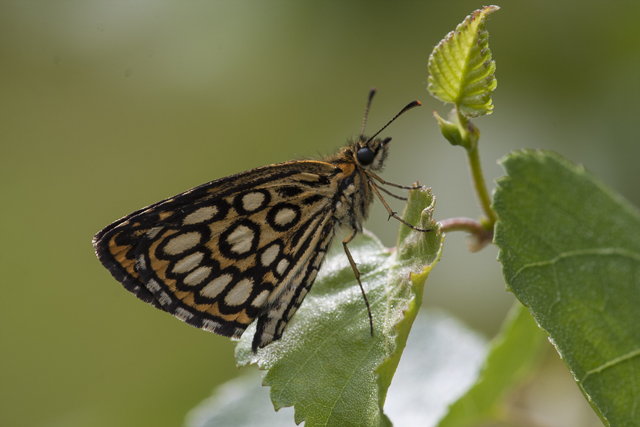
<point>570,251</point>
<point>324,364</point>
<point>441,361</point>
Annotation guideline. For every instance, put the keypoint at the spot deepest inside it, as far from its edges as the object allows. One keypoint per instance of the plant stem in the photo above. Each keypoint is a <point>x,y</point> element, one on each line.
<point>481,189</point>
<point>479,235</point>
<point>465,134</point>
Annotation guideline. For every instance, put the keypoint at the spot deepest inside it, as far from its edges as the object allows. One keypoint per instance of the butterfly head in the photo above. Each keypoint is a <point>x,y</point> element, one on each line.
<point>371,154</point>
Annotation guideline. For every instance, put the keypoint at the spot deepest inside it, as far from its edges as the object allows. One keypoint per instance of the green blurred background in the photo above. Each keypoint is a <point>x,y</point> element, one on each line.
<point>106,107</point>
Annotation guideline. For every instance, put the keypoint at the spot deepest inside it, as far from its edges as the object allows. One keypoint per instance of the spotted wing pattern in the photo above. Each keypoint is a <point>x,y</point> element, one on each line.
<point>225,253</point>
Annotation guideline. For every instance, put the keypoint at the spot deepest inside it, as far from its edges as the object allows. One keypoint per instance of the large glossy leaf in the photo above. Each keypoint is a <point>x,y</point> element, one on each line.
<point>570,250</point>
<point>324,365</point>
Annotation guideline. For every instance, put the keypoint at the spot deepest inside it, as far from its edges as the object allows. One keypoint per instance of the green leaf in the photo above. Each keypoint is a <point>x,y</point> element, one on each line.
<point>324,364</point>
<point>452,132</point>
<point>461,69</point>
<point>512,358</point>
<point>418,253</point>
<point>570,250</point>
<point>442,360</point>
<point>241,402</point>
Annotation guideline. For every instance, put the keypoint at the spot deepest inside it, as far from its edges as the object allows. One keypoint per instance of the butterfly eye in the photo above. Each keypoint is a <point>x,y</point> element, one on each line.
<point>365,156</point>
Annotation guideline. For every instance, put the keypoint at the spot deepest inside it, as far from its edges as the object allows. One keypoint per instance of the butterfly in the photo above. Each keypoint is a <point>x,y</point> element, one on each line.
<point>248,246</point>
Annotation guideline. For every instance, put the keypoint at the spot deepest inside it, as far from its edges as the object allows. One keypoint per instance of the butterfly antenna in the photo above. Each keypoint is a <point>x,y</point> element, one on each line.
<point>404,110</point>
<point>366,111</point>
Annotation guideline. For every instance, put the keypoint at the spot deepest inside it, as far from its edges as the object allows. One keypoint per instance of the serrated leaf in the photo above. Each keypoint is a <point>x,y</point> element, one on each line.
<point>324,364</point>
<point>461,69</point>
<point>441,360</point>
<point>512,357</point>
<point>241,402</point>
<point>412,248</point>
<point>570,250</point>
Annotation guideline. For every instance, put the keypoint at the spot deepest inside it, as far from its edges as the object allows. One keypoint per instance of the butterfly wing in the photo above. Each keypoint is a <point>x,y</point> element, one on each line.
<point>226,252</point>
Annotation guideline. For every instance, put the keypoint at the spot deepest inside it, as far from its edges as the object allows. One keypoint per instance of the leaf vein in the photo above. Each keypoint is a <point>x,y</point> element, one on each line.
<point>584,252</point>
<point>612,362</point>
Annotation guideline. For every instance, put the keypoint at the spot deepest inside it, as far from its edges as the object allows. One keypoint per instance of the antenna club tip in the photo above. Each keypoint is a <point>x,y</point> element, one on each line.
<point>410,105</point>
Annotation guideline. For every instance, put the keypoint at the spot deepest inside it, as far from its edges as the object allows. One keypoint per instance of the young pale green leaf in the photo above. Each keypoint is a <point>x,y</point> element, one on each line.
<point>512,357</point>
<point>570,250</point>
<point>451,131</point>
<point>324,364</point>
<point>461,69</point>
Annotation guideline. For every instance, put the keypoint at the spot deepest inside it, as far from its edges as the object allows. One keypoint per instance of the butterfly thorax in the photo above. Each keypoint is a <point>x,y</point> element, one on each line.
<point>353,196</point>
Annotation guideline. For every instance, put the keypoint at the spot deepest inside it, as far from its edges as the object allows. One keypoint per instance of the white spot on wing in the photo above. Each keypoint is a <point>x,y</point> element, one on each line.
<point>303,293</point>
<point>165,299</point>
<point>240,239</point>
<point>282,266</point>
<point>312,276</point>
<point>153,232</point>
<point>318,260</point>
<point>200,215</point>
<point>153,286</point>
<point>182,314</point>
<point>285,216</point>
<point>252,201</point>
<point>141,263</point>
<point>188,263</point>
<point>216,286</point>
<point>182,243</point>
<point>239,293</point>
<point>260,299</point>
<point>270,255</point>
<point>197,276</point>
<point>210,325</point>
<point>266,337</point>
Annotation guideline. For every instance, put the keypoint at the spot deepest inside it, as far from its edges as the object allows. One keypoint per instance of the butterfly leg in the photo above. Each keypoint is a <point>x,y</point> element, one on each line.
<point>391,194</point>
<point>357,274</point>
<point>383,182</point>
<point>390,211</point>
